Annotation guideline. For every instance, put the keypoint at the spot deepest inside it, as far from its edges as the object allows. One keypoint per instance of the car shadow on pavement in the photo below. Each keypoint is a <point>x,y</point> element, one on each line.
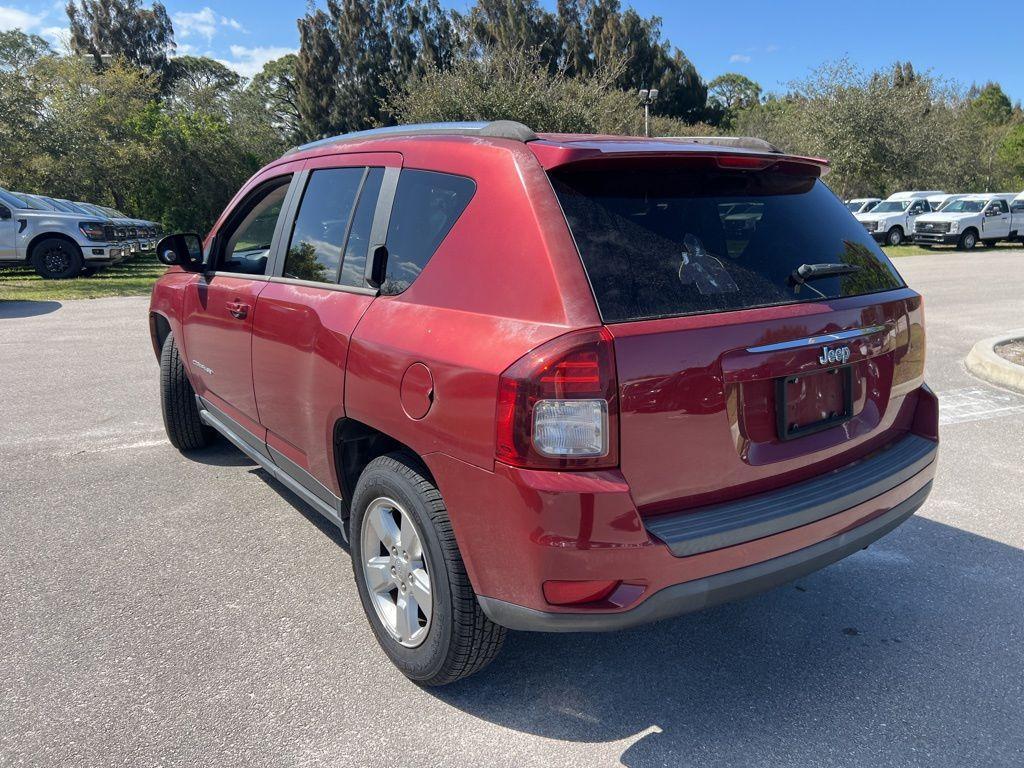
<point>325,526</point>
<point>220,453</point>
<point>13,309</point>
<point>910,652</point>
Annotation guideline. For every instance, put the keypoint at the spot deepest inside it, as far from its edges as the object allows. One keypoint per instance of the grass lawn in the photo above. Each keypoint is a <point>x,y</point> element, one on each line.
<point>917,250</point>
<point>131,278</point>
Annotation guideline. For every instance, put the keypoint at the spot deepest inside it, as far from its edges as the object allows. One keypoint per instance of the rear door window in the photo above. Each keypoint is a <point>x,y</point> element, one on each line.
<point>318,237</point>
<point>427,205</point>
<point>353,270</point>
<point>669,242</point>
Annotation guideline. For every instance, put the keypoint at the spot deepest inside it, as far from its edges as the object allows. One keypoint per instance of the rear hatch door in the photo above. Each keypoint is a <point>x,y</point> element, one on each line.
<point>736,374</point>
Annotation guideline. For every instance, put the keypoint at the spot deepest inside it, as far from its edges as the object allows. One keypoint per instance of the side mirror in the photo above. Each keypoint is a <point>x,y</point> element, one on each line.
<point>5,212</point>
<point>182,250</point>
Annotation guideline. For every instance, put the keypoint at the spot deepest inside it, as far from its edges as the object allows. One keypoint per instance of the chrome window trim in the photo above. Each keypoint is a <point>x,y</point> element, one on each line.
<point>811,341</point>
<point>326,286</point>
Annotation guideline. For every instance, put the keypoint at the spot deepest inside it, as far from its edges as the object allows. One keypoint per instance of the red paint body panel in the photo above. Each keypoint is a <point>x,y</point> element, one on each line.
<point>219,343</point>
<point>697,408</point>
<point>300,343</point>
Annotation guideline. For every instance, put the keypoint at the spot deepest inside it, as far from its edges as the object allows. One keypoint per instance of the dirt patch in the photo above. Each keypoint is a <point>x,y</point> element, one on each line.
<point>1012,351</point>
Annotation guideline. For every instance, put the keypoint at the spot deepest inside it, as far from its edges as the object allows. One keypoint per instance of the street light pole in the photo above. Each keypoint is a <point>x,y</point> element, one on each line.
<point>647,97</point>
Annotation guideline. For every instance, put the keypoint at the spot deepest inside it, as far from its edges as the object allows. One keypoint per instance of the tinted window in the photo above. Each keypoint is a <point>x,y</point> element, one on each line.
<point>353,270</point>
<point>1017,206</point>
<point>321,224</point>
<point>426,206</point>
<point>248,241</point>
<point>658,243</point>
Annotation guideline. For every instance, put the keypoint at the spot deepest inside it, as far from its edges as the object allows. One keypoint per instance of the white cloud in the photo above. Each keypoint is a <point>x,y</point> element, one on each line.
<point>58,37</point>
<point>204,23</point>
<point>739,58</point>
<point>12,18</point>
<point>249,61</point>
<point>772,48</point>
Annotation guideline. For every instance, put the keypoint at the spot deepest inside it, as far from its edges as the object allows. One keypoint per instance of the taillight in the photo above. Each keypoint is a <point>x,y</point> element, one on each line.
<point>558,406</point>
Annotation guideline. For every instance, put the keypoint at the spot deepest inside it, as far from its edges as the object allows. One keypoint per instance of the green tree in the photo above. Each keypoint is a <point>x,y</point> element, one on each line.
<point>19,53</point>
<point>122,29</point>
<point>734,91</point>
<point>1011,156</point>
<point>198,82</point>
<point>516,85</point>
<point>990,104</point>
<point>276,85</point>
<point>316,76</point>
<point>512,24</point>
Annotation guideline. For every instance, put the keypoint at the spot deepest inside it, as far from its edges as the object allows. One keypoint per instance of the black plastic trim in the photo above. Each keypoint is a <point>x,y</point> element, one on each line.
<point>725,525</point>
<point>712,590</point>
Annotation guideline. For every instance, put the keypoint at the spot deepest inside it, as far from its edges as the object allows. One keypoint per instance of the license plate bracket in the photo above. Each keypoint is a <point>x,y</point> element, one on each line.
<point>812,402</point>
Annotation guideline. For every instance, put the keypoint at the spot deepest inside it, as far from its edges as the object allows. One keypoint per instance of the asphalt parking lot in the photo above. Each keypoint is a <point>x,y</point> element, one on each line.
<point>159,610</point>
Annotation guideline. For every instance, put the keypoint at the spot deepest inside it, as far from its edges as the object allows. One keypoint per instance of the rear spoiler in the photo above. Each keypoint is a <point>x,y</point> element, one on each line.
<point>737,153</point>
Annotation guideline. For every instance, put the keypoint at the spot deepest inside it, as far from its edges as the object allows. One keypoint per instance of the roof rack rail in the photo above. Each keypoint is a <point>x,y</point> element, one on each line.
<point>497,129</point>
<point>740,142</point>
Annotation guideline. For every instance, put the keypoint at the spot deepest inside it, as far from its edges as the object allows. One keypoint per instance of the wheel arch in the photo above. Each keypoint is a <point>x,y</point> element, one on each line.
<point>356,444</point>
<point>159,330</point>
<point>34,242</point>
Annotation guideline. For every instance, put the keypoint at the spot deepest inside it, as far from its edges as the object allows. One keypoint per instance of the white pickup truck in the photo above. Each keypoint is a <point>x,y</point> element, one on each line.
<point>988,218</point>
<point>892,220</point>
<point>58,245</point>
<point>862,204</point>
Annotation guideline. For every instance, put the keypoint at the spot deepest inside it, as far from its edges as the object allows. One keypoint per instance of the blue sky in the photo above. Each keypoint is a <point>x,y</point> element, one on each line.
<point>771,42</point>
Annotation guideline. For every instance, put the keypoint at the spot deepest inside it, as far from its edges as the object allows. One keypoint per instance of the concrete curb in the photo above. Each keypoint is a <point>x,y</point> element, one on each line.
<point>984,363</point>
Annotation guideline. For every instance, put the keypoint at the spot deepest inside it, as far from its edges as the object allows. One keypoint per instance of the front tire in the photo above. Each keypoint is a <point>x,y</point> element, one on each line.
<point>411,579</point>
<point>184,428</point>
<point>57,259</point>
<point>967,241</point>
<point>894,236</point>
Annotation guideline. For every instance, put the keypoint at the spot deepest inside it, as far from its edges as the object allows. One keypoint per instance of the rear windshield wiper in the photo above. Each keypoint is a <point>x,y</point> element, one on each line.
<point>807,272</point>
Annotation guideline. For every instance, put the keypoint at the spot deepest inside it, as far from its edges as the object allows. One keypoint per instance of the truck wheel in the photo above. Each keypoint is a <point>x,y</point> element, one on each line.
<point>968,240</point>
<point>56,259</point>
<point>184,428</point>
<point>411,578</point>
<point>894,236</point>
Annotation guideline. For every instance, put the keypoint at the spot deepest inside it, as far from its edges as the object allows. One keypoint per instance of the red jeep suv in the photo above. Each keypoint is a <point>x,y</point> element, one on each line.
<point>552,382</point>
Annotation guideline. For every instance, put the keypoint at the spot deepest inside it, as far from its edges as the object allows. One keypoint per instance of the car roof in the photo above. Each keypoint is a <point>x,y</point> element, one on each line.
<point>555,149</point>
<point>914,195</point>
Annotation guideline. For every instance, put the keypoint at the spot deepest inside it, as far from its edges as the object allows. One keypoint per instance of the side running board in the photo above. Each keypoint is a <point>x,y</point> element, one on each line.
<point>246,442</point>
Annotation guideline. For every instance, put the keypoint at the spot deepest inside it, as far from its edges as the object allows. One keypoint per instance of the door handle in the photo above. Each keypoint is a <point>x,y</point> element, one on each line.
<point>238,309</point>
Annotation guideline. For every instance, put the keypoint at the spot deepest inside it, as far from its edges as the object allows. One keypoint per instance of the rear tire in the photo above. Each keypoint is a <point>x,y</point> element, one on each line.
<point>56,259</point>
<point>967,241</point>
<point>453,638</point>
<point>184,428</point>
<point>894,236</point>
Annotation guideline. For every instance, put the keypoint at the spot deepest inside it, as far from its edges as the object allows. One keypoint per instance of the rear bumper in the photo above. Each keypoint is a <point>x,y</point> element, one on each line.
<point>712,590</point>
<point>518,529</point>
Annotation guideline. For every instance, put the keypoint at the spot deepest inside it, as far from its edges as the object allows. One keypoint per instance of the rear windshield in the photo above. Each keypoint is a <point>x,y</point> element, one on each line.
<point>661,243</point>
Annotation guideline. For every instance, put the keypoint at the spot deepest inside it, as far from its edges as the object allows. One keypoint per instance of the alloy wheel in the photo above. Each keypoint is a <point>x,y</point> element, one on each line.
<point>395,571</point>
<point>56,260</point>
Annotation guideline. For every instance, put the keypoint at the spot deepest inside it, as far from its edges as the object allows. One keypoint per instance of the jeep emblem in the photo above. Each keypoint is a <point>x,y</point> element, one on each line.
<point>840,355</point>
